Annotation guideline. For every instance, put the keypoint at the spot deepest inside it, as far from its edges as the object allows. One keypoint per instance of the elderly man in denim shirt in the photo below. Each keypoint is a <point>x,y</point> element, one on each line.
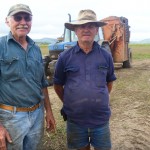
<point>23,87</point>
<point>83,80</point>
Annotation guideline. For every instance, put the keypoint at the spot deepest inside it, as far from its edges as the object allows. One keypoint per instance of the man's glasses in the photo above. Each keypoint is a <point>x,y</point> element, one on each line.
<point>18,18</point>
<point>87,25</point>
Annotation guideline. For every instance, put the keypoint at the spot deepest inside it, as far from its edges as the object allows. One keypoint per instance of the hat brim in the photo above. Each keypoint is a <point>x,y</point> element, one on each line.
<point>72,25</point>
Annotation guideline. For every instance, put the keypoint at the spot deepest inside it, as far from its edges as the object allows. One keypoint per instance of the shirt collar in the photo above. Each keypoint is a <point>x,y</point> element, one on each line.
<point>10,37</point>
<point>78,49</point>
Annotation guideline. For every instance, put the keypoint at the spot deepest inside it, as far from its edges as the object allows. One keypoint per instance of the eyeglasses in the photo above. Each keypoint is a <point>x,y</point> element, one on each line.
<point>88,25</point>
<point>18,18</point>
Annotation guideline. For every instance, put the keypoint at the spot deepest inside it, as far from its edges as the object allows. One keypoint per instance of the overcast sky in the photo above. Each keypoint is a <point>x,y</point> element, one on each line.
<point>49,15</point>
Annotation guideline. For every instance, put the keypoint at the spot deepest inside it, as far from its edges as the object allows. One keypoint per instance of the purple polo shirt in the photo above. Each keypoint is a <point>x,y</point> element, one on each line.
<point>85,78</point>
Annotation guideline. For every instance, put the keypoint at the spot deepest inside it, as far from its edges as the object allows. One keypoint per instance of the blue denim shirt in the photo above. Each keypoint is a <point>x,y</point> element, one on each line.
<point>85,78</point>
<point>21,73</point>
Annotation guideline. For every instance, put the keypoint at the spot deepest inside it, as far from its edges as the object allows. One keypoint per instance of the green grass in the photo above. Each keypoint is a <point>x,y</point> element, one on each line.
<point>140,51</point>
<point>44,49</point>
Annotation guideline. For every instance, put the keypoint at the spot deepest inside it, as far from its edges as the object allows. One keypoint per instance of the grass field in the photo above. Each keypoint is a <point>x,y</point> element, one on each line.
<point>44,49</point>
<point>139,51</point>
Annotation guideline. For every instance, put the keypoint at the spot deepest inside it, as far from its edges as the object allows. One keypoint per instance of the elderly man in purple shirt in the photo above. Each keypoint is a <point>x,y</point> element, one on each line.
<point>83,80</point>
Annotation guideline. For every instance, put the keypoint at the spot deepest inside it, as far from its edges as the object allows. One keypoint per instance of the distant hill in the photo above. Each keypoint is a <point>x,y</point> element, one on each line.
<point>45,41</point>
<point>145,41</point>
<point>52,41</point>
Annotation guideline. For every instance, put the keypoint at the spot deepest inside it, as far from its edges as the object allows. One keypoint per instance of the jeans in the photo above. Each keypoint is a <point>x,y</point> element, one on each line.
<point>25,128</point>
<point>79,137</point>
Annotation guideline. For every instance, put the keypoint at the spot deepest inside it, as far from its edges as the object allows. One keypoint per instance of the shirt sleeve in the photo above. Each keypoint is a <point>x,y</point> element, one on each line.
<point>111,75</point>
<point>44,80</point>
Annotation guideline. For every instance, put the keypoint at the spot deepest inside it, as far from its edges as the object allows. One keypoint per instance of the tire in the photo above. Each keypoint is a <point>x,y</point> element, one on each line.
<point>50,72</point>
<point>128,63</point>
<point>46,62</point>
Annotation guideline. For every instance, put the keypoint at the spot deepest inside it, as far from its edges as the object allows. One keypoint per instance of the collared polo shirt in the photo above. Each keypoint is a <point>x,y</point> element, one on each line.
<point>21,73</point>
<point>85,77</point>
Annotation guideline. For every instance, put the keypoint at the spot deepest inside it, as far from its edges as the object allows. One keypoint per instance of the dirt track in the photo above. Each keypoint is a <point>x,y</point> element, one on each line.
<point>130,121</point>
<point>130,104</point>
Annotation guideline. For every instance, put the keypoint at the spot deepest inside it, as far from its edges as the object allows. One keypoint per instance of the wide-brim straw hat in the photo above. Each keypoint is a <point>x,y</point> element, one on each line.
<point>84,16</point>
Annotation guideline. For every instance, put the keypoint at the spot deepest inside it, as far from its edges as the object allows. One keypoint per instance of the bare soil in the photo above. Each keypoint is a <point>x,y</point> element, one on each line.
<point>130,105</point>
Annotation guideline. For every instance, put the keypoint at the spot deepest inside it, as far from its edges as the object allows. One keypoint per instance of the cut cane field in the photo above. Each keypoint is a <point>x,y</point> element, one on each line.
<point>129,102</point>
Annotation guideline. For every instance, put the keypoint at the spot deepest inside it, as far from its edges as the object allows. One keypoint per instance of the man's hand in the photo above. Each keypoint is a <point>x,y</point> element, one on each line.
<point>4,137</point>
<point>50,122</point>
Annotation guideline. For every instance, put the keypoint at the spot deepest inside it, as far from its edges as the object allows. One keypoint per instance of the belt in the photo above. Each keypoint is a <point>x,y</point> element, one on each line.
<point>23,109</point>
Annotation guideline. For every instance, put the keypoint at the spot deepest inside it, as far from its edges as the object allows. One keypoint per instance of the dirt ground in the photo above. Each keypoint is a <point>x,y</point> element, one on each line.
<point>130,104</point>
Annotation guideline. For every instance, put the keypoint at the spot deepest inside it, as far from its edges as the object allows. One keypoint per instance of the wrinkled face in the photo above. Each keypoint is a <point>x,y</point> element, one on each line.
<point>20,24</point>
<point>86,32</point>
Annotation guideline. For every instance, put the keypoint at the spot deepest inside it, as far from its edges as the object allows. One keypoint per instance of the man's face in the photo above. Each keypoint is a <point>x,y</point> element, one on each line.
<point>20,24</point>
<point>86,32</point>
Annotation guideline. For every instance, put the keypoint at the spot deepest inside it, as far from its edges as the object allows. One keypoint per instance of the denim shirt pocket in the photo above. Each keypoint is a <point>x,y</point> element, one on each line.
<point>35,69</point>
<point>101,75</point>
<point>72,73</point>
<point>10,69</point>
<point>39,71</point>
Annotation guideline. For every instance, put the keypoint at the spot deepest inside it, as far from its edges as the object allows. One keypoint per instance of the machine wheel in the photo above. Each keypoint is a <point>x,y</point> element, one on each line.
<point>50,71</point>
<point>46,62</point>
<point>128,63</point>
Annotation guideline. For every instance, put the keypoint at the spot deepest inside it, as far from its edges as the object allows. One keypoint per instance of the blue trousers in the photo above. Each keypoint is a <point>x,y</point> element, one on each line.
<point>25,128</point>
<point>80,137</point>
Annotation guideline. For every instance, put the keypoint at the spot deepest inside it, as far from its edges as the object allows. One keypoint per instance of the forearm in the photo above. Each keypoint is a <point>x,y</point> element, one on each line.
<point>109,86</point>
<point>47,104</point>
<point>59,91</point>
<point>50,121</point>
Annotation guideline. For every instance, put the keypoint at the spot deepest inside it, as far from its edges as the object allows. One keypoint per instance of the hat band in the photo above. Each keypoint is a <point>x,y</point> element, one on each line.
<point>87,18</point>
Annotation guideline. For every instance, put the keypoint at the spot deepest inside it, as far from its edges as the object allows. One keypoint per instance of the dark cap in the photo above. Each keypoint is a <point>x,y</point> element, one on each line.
<point>19,8</point>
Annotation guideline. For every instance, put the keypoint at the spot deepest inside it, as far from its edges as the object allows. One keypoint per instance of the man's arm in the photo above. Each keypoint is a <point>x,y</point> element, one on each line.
<point>59,91</point>
<point>50,121</point>
<point>109,86</point>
